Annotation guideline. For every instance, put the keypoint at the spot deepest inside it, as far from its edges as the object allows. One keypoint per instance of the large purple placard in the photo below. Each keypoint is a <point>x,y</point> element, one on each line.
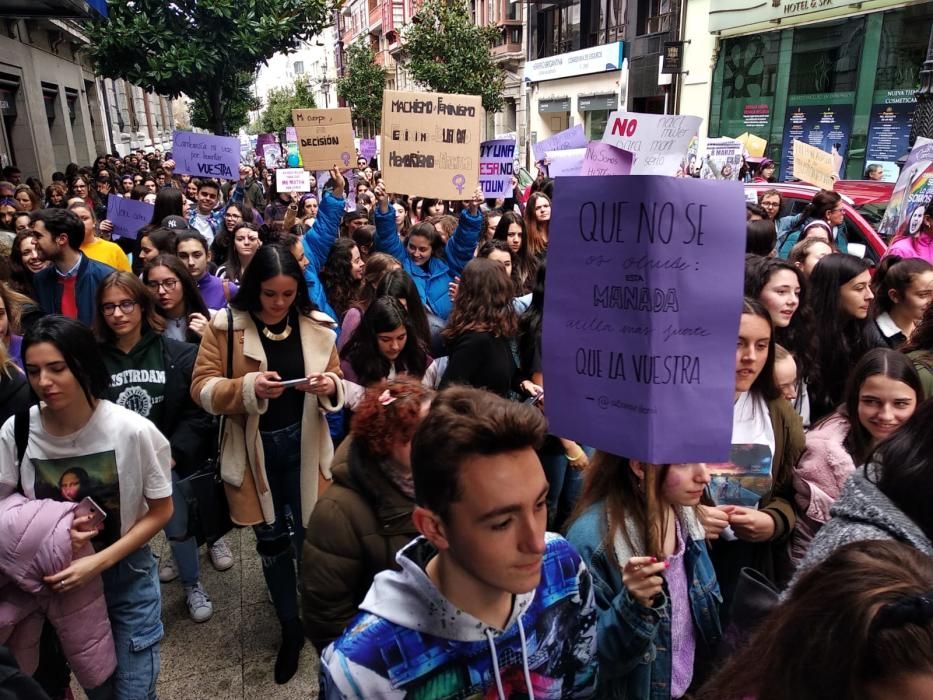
<point>206,155</point>
<point>127,215</point>
<point>642,305</point>
<point>561,141</point>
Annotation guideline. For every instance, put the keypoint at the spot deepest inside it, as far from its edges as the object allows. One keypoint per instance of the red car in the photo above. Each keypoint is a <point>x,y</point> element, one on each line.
<point>858,198</point>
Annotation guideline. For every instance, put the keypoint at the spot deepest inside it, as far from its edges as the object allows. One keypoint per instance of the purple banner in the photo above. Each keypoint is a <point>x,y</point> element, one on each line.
<point>127,215</point>
<point>206,155</point>
<point>604,159</point>
<point>569,138</point>
<point>263,139</point>
<point>641,315</point>
<point>368,149</point>
<point>496,167</point>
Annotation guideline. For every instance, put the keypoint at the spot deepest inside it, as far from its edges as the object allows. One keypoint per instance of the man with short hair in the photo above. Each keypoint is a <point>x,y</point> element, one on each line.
<point>13,175</point>
<point>207,215</point>
<point>69,285</point>
<point>192,249</point>
<point>486,604</point>
<point>246,189</point>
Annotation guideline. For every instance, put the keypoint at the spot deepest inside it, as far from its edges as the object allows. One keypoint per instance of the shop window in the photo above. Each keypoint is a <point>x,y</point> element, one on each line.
<point>654,16</point>
<point>555,31</point>
<point>594,124</point>
<point>748,80</point>
<point>826,57</point>
<point>904,38</point>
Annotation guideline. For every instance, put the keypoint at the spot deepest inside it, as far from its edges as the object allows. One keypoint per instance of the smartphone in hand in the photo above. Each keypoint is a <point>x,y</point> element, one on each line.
<point>89,507</point>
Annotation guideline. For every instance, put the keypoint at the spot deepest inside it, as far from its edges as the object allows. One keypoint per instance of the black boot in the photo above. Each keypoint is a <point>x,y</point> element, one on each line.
<point>286,663</point>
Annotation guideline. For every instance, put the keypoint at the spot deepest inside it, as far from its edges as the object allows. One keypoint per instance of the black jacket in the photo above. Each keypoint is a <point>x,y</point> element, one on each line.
<point>15,394</point>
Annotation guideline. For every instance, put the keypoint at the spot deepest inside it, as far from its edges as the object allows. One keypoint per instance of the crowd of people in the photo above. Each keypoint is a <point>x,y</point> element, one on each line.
<point>366,369</point>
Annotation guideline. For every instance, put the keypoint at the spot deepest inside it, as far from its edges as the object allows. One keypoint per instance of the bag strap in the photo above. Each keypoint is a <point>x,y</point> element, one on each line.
<point>21,438</point>
<point>229,374</point>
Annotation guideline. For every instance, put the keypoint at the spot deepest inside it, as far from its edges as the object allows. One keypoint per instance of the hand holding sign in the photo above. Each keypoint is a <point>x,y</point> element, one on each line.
<point>474,204</point>
<point>340,182</point>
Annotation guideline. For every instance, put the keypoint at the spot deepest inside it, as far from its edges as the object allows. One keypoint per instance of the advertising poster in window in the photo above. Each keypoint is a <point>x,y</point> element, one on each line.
<point>889,131</point>
<point>827,127</point>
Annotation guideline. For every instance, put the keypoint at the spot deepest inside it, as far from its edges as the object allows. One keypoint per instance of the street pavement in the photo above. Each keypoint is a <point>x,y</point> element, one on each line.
<point>230,656</point>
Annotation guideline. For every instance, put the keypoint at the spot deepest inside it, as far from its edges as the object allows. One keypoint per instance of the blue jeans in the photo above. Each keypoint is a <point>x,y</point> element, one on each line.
<point>565,484</point>
<point>134,605</point>
<point>185,552</point>
<point>279,544</point>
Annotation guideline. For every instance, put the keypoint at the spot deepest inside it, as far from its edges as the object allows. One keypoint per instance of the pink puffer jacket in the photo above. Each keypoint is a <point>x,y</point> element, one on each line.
<point>36,542</point>
<point>818,480</point>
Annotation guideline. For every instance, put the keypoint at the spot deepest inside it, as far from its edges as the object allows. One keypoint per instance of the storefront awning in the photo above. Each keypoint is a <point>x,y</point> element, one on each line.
<point>57,9</point>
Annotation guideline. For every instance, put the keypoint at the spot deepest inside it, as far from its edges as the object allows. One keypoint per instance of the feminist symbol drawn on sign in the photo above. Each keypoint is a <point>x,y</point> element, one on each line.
<point>459,181</point>
<point>345,157</point>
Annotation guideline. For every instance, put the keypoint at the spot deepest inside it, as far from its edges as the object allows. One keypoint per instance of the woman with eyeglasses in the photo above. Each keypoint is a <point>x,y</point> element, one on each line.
<point>79,187</point>
<point>177,298</point>
<point>151,375</point>
<point>826,207</point>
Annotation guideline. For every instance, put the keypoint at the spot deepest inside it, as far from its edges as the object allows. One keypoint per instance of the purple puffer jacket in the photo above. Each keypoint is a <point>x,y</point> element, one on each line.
<point>36,542</point>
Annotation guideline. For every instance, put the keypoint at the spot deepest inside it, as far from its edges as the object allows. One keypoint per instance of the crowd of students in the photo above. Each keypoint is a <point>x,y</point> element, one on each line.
<point>376,359</point>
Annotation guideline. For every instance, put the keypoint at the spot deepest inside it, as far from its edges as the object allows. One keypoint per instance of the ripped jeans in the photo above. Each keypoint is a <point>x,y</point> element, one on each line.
<point>279,545</point>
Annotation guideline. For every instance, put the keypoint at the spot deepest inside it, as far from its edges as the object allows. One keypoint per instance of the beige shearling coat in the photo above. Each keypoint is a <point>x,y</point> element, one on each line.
<point>241,456</point>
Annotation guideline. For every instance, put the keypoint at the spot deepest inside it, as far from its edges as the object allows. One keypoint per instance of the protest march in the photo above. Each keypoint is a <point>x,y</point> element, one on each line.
<point>647,422</point>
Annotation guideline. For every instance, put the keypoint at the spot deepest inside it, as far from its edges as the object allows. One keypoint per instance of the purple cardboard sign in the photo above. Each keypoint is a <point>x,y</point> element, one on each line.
<point>263,139</point>
<point>496,167</point>
<point>564,163</point>
<point>127,215</point>
<point>604,159</point>
<point>641,314</point>
<point>569,138</point>
<point>368,149</point>
<point>206,155</point>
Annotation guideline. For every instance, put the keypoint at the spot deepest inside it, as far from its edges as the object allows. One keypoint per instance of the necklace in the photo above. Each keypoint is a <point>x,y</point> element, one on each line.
<point>281,335</point>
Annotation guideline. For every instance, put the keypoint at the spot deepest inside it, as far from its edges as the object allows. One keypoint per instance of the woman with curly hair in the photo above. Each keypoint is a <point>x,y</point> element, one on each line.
<point>55,196</point>
<point>385,344</point>
<point>25,261</point>
<point>537,223</point>
<point>364,518</point>
<point>481,330</point>
<point>342,276</point>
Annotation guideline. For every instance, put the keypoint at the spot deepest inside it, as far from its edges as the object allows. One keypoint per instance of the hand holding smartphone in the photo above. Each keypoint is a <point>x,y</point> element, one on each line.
<point>301,381</point>
<point>88,507</point>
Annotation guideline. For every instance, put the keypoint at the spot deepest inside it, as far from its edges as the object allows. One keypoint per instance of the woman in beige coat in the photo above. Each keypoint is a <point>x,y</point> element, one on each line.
<point>276,448</point>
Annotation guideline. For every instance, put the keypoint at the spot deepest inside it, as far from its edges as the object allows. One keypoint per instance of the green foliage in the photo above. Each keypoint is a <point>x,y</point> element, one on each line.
<point>195,47</point>
<point>279,105</point>
<point>239,103</point>
<point>448,53</point>
<point>362,85</point>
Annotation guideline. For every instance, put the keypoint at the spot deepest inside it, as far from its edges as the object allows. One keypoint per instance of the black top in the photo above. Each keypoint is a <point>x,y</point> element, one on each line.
<point>286,358</point>
<point>482,360</point>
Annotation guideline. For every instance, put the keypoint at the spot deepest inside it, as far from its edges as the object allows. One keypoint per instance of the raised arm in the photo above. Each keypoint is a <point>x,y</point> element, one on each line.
<point>387,240</point>
<point>321,236</point>
<point>462,244</point>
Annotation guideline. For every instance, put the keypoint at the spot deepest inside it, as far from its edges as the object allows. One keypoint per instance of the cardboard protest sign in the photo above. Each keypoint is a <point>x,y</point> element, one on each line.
<point>497,167</point>
<point>206,155</point>
<point>722,159</point>
<point>913,191</point>
<point>325,137</point>
<point>292,180</point>
<point>603,159</point>
<point>641,315</point>
<point>430,143</point>
<point>564,163</point>
<point>659,142</point>
<point>754,145</point>
<point>127,215</point>
<point>813,165</point>
<point>562,141</point>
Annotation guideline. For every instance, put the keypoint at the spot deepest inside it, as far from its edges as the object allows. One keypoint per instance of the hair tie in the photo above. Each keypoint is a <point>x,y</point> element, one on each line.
<point>913,609</point>
<point>386,398</point>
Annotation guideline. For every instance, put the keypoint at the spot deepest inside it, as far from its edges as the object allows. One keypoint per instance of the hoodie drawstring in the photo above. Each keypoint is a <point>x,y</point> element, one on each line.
<point>495,664</point>
<point>527,672</point>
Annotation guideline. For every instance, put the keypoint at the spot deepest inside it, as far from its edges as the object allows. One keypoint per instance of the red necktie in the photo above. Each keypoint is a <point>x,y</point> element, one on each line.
<point>69,301</point>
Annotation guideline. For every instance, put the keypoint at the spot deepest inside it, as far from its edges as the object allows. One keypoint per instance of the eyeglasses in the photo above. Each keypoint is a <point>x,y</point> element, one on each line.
<point>168,285</point>
<point>126,306</point>
<point>232,216</point>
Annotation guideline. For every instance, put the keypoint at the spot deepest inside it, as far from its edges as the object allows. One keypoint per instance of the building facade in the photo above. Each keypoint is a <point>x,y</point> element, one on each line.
<point>837,74</point>
<point>55,111</point>
<point>314,63</point>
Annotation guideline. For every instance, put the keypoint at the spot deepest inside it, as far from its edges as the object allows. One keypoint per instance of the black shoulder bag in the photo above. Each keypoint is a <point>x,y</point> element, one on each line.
<point>203,491</point>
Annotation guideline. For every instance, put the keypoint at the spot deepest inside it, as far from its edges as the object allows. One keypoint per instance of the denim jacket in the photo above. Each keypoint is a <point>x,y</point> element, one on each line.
<point>634,642</point>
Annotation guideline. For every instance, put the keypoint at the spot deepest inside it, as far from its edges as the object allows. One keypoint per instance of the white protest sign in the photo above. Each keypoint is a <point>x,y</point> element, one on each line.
<point>564,163</point>
<point>292,180</point>
<point>658,142</point>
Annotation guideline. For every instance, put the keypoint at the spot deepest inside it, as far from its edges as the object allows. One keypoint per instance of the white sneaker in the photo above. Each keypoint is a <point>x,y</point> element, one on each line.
<point>200,608</point>
<point>220,554</point>
<point>167,569</point>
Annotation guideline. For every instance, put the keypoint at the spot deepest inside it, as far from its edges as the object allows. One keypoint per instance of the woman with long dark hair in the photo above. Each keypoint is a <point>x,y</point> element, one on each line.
<point>869,632</point>
<point>25,261</point>
<point>378,265</point>
<point>537,223</point>
<point>754,493</point>
<point>825,207</point>
<point>178,301</point>
<point>246,242</point>
<point>883,392</point>
<point>151,376</point>
<point>277,448</point>
<point>511,229</point>
<point>234,216</point>
<point>482,329</point>
<point>398,284</point>
<point>342,276</point>
<point>903,290</point>
<point>385,345</point>
<point>840,298</point>
<point>637,529</point>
